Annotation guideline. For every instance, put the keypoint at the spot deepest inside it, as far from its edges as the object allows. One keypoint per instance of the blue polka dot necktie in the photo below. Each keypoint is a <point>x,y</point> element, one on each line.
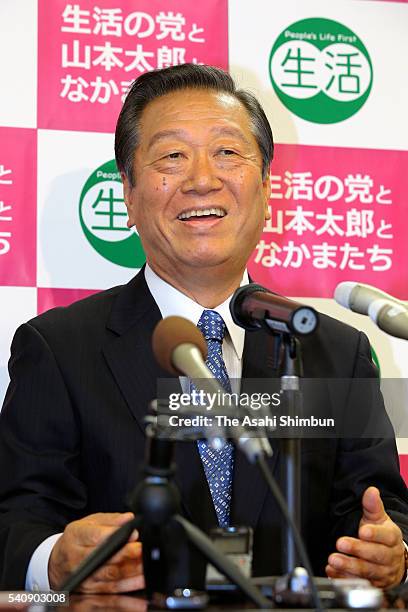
<point>218,464</point>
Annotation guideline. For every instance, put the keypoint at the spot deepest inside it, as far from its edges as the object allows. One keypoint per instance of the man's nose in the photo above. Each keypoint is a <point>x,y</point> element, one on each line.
<point>202,176</point>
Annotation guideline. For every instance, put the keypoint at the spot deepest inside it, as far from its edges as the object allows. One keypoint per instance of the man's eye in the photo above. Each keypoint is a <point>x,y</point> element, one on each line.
<point>226,152</point>
<point>174,155</point>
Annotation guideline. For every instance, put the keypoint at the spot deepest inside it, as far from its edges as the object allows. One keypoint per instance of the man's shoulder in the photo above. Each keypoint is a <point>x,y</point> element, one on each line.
<point>337,328</point>
<point>336,347</point>
<point>94,318</point>
<point>97,309</point>
<point>87,311</point>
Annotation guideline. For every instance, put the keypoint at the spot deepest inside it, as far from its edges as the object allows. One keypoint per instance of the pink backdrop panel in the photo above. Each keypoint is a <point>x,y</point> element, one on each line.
<point>336,214</point>
<point>18,206</point>
<point>404,467</point>
<point>90,52</point>
<point>50,298</point>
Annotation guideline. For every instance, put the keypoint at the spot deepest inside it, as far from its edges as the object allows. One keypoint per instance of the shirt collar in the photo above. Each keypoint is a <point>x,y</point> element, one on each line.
<point>172,302</point>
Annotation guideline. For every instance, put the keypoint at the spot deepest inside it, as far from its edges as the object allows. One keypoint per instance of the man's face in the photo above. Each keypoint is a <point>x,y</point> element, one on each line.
<point>199,199</point>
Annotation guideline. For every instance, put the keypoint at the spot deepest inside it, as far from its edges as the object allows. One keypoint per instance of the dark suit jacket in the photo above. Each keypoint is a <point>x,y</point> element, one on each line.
<point>72,434</point>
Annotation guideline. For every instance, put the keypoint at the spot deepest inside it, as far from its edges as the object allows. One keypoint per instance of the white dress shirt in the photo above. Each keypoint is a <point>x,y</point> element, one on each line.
<point>172,302</point>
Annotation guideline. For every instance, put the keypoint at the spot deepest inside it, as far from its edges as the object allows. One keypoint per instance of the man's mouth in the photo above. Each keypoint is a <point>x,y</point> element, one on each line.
<point>202,212</point>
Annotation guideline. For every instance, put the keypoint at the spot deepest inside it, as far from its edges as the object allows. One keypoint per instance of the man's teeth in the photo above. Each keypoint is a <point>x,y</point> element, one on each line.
<point>202,213</point>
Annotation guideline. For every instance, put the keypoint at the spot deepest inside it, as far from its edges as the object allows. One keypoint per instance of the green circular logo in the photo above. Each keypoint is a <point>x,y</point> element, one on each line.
<point>103,217</point>
<point>320,70</point>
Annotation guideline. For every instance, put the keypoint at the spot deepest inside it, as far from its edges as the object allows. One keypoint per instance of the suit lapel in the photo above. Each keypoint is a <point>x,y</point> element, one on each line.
<point>130,358</point>
<point>129,353</point>
<point>249,488</point>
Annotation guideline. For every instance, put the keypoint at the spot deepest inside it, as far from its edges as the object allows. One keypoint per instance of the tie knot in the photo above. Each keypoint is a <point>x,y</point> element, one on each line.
<point>211,325</point>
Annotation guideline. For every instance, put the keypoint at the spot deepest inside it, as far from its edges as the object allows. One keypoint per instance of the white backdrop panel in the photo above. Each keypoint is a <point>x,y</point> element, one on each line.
<point>18,64</point>
<point>65,258</point>
<point>382,26</point>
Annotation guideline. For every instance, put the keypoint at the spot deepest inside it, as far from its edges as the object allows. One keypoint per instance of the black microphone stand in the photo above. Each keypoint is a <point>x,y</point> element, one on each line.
<point>254,315</point>
<point>291,370</point>
<point>166,537</point>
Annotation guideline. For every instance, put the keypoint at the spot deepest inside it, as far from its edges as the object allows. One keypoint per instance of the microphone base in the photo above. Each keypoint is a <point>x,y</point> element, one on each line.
<point>293,590</point>
<point>181,599</point>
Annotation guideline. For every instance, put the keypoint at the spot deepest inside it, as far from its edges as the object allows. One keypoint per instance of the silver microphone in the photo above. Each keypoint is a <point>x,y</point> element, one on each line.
<point>388,312</point>
<point>391,318</point>
<point>358,296</point>
<point>180,348</point>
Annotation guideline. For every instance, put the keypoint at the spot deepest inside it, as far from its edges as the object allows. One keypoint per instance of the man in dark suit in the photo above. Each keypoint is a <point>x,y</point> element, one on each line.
<point>194,153</point>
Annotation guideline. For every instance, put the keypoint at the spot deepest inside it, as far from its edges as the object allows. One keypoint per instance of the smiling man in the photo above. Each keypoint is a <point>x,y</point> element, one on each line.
<point>194,153</point>
<point>198,188</point>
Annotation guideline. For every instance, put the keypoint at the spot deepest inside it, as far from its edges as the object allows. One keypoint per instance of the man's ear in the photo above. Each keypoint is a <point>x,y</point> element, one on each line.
<point>127,193</point>
<point>266,183</point>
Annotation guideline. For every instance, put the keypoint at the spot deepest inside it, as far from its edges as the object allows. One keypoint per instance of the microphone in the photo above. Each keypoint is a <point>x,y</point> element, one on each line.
<point>358,297</point>
<point>391,317</point>
<point>180,348</point>
<point>252,305</point>
<point>389,313</point>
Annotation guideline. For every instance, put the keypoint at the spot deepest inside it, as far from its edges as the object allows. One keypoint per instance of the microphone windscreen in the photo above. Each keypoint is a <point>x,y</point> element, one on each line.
<point>169,333</point>
<point>342,293</point>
